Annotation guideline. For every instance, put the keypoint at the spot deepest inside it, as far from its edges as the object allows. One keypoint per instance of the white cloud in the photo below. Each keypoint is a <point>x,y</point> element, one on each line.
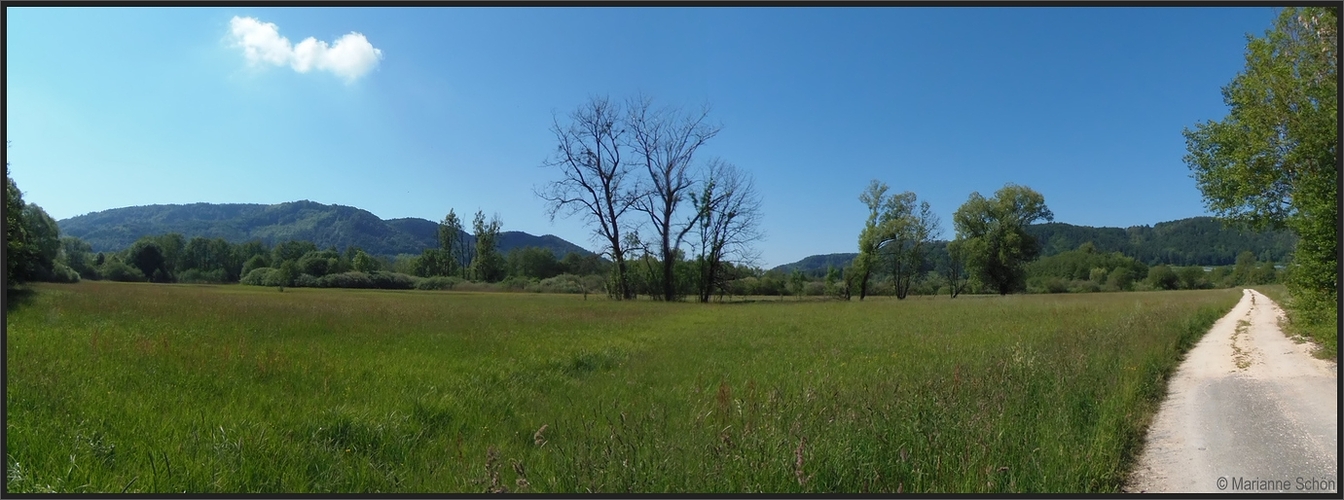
<point>351,57</point>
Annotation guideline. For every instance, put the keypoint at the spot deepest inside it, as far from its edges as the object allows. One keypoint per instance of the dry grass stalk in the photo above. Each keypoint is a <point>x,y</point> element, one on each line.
<point>492,471</point>
<point>538,438</point>
<point>798,463</point>
<point>522,482</point>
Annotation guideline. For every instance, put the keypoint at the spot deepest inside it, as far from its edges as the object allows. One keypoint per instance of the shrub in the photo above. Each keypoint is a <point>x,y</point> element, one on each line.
<point>254,263</point>
<point>61,273</point>
<point>392,281</point>
<point>197,276</point>
<point>1084,286</point>
<point>438,283</point>
<point>320,263</point>
<point>1192,278</point>
<point>814,288</point>
<point>1056,285</point>
<point>376,279</point>
<point>564,283</point>
<point>117,270</point>
<point>1119,279</point>
<point>744,286</point>
<point>594,283</point>
<point>262,276</point>
<point>1162,277</point>
<point>352,279</point>
<point>305,280</point>
<point>516,283</point>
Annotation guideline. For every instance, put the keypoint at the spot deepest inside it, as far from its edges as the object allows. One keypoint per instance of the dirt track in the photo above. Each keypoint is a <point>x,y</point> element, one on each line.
<point>1249,410</point>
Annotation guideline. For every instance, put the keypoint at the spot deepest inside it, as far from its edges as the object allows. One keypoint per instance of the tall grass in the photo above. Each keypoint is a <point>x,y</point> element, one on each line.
<point>175,388</point>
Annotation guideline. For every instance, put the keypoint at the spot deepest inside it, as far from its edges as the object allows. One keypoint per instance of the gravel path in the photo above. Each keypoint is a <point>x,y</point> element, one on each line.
<point>1249,410</point>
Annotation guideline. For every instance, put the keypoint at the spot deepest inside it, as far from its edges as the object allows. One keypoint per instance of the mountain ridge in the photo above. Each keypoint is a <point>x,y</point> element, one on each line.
<point>324,224</point>
<point>1191,241</point>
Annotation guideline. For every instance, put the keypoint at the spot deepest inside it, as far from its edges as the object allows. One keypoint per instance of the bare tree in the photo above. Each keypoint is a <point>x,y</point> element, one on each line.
<point>664,140</point>
<point>595,181</point>
<point>729,216</point>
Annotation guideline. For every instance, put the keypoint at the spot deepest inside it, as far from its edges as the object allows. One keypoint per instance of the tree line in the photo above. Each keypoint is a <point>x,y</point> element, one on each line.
<point>171,258</point>
<point>992,245</point>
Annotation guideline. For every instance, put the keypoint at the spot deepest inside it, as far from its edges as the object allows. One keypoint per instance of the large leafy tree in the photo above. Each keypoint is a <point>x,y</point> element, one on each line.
<point>532,262</point>
<point>32,240</point>
<point>992,237</point>
<point>435,262</point>
<point>15,249</point>
<point>41,244</point>
<point>1273,160</point>
<point>361,262</point>
<point>212,255</point>
<point>291,250</point>
<point>79,256</point>
<point>147,256</point>
<point>172,245</point>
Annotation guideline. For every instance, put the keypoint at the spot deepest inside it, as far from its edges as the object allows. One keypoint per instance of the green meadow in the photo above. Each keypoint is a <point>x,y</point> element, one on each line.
<point>135,387</point>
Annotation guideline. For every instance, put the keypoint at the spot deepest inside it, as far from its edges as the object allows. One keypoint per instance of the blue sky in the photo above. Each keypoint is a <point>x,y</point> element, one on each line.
<point>116,107</point>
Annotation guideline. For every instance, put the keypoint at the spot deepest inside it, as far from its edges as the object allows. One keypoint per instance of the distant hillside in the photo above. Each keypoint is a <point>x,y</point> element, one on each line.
<point>325,225</point>
<point>1202,241</point>
<point>1197,241</point>
<point>819,263</point>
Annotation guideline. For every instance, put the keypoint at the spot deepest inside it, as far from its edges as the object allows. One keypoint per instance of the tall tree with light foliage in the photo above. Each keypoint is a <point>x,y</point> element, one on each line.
<point>452,242</point>
<point>897,236</point>
<point>1273,160</point>
<point>488,265</point>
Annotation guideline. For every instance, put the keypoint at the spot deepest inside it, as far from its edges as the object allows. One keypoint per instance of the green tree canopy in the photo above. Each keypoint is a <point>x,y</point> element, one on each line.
<point>79,256</point>
<point>147,256</point>
<point>363,262</point>
<point>992,236</point>
<point>435,262</point>
<point>1273,160</point>
<point>533,262</point>
<point>292,250</point>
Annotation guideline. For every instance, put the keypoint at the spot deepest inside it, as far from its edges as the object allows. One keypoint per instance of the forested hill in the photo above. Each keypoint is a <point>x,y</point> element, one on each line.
<point>324,225</point>
<point>1187,242</point>
<point>1202,241</point>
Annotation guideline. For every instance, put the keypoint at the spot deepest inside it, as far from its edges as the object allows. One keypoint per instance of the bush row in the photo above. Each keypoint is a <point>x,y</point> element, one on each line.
<point>268,276</point>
